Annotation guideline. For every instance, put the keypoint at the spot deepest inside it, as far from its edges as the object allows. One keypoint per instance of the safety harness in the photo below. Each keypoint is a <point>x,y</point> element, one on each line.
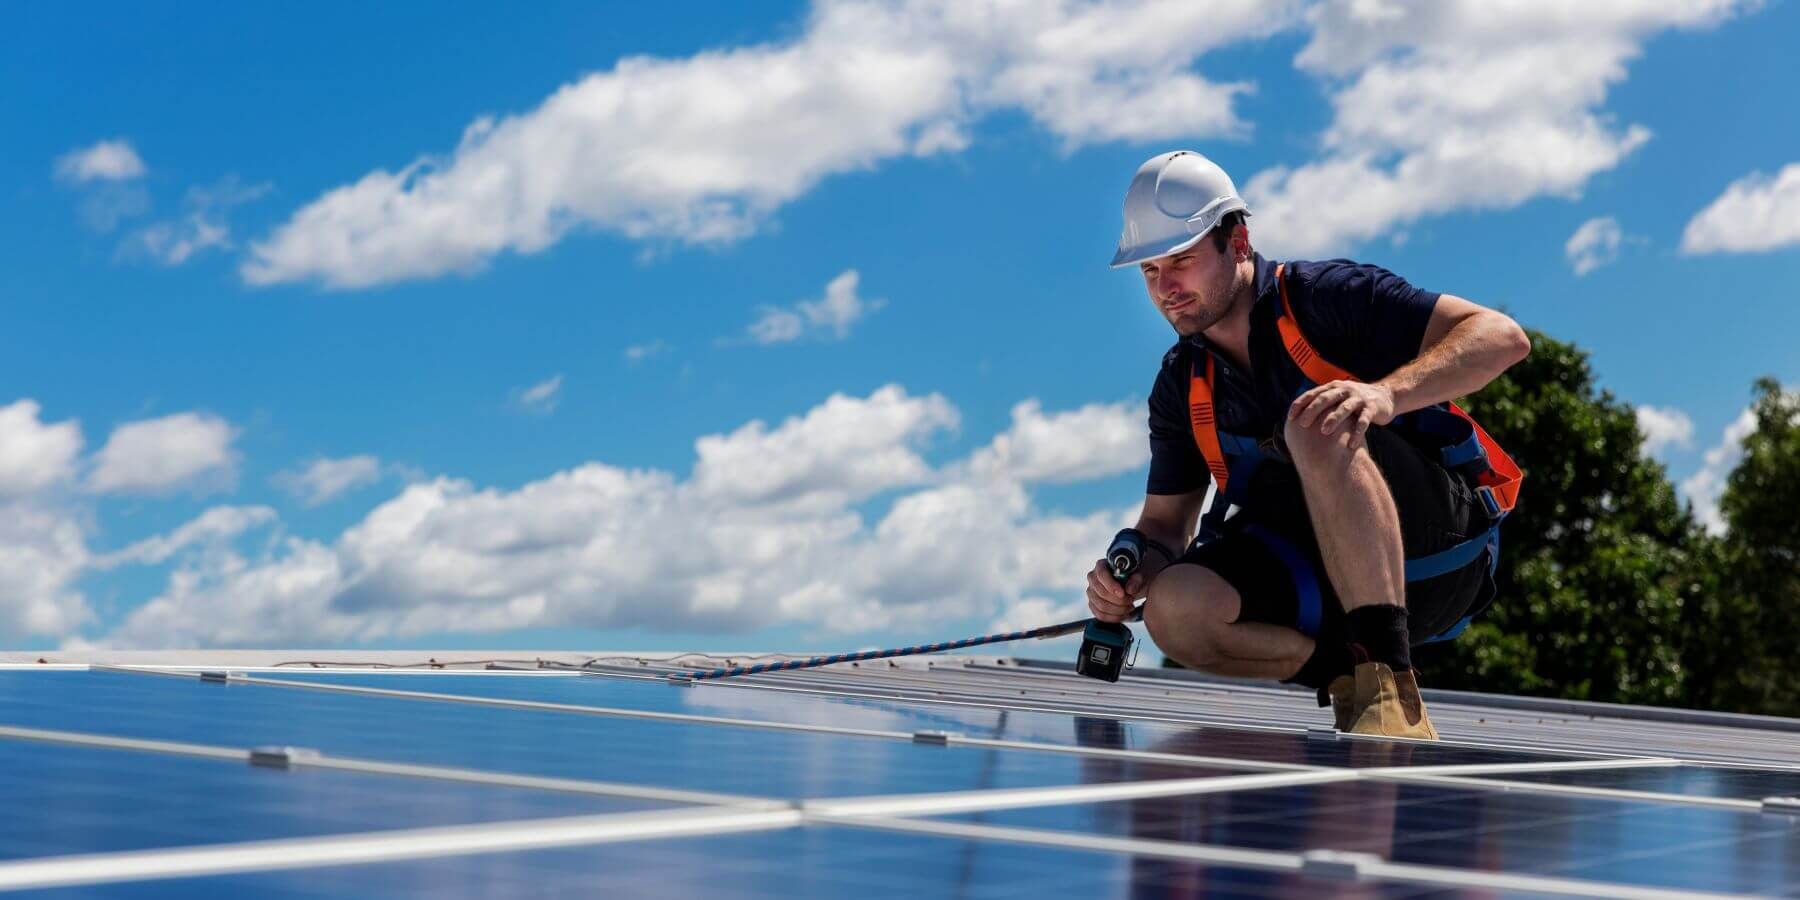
<point>1463,447</point>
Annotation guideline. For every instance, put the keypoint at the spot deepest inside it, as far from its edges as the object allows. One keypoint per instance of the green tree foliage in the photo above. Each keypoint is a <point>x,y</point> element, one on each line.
<point>1755,603</point>
<point>1598,562</point>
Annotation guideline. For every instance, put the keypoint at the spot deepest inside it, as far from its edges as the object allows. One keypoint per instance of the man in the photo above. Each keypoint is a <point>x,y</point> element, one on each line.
<point>1357,511</point>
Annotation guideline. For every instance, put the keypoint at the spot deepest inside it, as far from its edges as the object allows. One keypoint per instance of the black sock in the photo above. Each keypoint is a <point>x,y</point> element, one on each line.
<point>1330,658</point>
<point>1380,633</point>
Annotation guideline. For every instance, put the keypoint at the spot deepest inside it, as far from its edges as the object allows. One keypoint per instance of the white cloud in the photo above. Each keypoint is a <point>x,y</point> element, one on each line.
<point>1450,105</point>
<point>1704,488</point>
<point>113,160</point>
<point>34,455</point>
<point>1664,427</point>
<point>203,225</point>
<point>323,480</point>
<point>1094,441</point>
<point>43,545</point>
<point>703,150</point>
<point>831,315</point>
<point>1756,213</point>
<point>842,451</point>
<point>213,527</point>
<point>157,455</point>
<point>764,531</point>
<point>637,353</point>
<point>1594,244</point>
<point>173,243</point>
<point>43,549</point>
<point>44,525</point>
<point>541,398</point>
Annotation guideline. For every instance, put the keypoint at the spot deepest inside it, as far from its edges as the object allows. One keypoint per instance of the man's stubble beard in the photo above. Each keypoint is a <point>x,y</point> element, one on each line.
<point>1190,324</point>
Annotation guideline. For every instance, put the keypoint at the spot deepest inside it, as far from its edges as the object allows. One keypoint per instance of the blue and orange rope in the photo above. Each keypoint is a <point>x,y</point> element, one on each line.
<point>1047,631</point>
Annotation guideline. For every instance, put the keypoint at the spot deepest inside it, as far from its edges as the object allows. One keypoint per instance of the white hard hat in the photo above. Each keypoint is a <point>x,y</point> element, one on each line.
<point>1174,200</point>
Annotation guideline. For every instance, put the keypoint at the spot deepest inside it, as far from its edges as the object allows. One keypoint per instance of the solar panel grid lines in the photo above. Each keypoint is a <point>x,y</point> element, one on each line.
<point>945,802</point>
<point>1279,861</point>
<point>1305,808</point>
<point>1188,757</point>
<point>1160,716</point>
<point>1569,790</point>
<point>332,850</point>
<point>123,743</point>
<point>556,744</point>
<point>977,742</point>
<point>383,846</point>
<point>981,742</point>
<point>316,760</point>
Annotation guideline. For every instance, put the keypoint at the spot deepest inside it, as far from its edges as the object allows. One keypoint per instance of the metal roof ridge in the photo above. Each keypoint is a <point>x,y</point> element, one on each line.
<point>1591,708</point>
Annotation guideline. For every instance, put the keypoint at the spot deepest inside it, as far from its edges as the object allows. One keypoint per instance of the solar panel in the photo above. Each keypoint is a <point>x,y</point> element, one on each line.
<point>70,799</point>
<point>974,777</point>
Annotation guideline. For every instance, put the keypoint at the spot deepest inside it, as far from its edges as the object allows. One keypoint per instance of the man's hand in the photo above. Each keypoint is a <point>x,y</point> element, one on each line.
<point>1351,406</point>
<point>1109,600</point>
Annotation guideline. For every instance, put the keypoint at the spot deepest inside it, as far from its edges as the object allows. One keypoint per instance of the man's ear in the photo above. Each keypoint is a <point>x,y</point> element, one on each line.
<point>1240,243</point>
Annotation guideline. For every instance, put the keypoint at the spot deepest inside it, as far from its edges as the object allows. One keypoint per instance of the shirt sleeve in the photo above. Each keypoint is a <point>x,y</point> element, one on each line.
<point>1176,466</point>
<point>1362,317</point>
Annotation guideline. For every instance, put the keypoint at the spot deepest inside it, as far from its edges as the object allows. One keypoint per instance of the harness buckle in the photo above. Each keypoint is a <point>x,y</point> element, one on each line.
<point>1487,500</point>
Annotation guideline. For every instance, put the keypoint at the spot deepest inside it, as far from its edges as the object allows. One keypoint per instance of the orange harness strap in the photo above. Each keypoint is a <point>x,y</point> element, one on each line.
<point>1206,428</point>
<point>1503,476</point>
<point>1299,349</point>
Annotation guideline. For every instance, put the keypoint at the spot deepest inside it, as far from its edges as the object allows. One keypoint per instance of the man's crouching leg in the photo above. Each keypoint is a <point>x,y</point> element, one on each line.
<point>1192,613</point>
<point>1358,528</point>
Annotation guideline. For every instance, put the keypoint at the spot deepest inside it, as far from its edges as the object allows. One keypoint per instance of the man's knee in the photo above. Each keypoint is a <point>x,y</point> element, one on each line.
<point>1187,608</point>
<point>1311,448</point>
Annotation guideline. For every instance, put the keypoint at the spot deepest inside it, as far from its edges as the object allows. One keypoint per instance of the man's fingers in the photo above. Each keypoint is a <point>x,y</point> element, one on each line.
<point>1104,610</point>
<point>1342,411</point>
<point>1317,402</point>
<point>1358,429</point>
<point>1302,402</point>
<point>1317,407</point>
<point>1105,586</point>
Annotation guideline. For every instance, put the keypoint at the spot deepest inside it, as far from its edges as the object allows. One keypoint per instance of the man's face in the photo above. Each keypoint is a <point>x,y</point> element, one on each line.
<point>1193,288</point>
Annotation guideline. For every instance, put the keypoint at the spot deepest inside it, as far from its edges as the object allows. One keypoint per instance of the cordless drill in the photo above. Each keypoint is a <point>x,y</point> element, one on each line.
<point>1105,645</point>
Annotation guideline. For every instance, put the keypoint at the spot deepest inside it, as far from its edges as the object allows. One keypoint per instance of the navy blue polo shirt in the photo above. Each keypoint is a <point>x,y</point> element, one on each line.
<point>1363,318</point>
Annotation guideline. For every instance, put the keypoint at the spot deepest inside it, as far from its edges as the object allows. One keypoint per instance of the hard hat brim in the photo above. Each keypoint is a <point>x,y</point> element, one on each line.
<point>1131,256</point>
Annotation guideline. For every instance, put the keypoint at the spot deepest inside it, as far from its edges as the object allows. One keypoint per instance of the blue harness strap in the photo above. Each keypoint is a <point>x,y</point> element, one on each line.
<point>1311,612</point>
<point>1435,564</point>
<point>1453,558</point>
<point>1451,633</point>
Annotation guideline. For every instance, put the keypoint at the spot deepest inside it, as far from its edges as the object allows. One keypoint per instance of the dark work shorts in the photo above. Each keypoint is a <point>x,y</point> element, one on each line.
<point>1269,554</point>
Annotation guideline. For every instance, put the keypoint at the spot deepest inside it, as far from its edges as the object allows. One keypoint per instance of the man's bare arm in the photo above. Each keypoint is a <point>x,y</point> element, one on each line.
<point>1465,347</point>
<point>1170,518</point>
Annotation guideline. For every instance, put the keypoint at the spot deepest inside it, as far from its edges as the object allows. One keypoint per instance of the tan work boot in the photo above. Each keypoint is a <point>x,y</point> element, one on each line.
<point>1343,701</point>
<point>1388,703</point>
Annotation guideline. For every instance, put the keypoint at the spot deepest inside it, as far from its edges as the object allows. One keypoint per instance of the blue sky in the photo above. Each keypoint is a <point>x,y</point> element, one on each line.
<point>222,273</point>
